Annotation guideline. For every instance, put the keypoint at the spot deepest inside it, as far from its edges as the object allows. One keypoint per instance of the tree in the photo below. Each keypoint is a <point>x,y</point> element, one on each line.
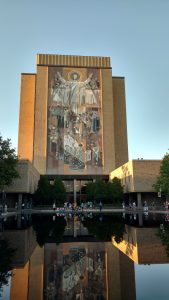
<point>47,193</point>
<point>115,190</point>
<point>162,183</point>
<point>96,190</point>
<point>100,190</point>
<point>58,191</point>
<point>8,163</point>
<point>108,192</point>
<point>43,192</point>
<point>90,191</point>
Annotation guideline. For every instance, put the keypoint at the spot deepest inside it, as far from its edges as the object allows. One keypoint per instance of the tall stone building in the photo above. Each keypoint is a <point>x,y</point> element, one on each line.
<point>73,117</point>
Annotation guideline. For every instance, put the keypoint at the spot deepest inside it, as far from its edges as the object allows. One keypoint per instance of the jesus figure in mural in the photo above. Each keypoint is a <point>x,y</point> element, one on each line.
<point>73,93</point>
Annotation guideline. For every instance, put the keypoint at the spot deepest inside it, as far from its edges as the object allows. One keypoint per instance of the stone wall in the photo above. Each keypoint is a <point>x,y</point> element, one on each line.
<point>26,117</point>
<point>120,122</point>
<point>28,180</point>
<point>138,175</point>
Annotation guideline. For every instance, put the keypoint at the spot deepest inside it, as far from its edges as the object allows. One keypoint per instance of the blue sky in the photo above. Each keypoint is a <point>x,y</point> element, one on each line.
<point>134,33</point>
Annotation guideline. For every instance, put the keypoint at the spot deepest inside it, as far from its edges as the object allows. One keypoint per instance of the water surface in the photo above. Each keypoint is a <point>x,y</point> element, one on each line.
<point>85,256</point>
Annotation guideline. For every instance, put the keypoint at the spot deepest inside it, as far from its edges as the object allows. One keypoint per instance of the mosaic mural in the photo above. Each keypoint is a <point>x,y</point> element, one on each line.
<point>74,121</point>
<point>75,272</point>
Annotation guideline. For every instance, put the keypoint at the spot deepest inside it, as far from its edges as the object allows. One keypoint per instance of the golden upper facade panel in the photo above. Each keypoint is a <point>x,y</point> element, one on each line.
<point>70,116</point>
<point>73,60</point>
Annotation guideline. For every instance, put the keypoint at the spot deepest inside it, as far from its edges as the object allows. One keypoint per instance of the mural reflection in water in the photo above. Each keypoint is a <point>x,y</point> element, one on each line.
<point>71,262</point>
<point>75,271</point>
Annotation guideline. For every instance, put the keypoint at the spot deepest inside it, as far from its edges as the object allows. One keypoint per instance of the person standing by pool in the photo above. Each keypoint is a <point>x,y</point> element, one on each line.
<point>5,208</point>
<point>82,206</point>
<point>54,206</point>
<point>145,206</point>
<point>65,205</point>
<point>100,206</point>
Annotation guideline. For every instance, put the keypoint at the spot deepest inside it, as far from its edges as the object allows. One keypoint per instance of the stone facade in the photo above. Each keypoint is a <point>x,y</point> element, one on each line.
<point>33,131</point>
<point>138,175</point>
<point>28,180</point>
<point>142,245</point>
<point>120,128</point>
<point>26,119</point>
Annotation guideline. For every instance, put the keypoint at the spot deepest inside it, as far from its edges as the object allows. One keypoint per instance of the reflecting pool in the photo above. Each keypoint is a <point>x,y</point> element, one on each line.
<point>84,256</point>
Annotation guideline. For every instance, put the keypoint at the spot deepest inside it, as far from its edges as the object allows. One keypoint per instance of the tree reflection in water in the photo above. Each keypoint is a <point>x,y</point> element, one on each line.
<point>104,227</point>
<point>164,235</point>
<point>6,255</point>
<point>47,228</point>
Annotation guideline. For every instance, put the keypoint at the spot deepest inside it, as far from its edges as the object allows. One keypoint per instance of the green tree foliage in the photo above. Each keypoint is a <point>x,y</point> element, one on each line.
<point>58,191</point>
<point>43,192</point>
<point>162,183</point>
<point>100,190</point>
<point>96,190</point>
<point>108,192</point>
<point>47,193</point>
<point>115,190</point>
<point>90,191</point>
<point>8,163</point>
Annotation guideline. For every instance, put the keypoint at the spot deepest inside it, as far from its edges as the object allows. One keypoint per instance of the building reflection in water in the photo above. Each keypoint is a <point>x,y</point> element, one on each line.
<point>75,271</point>
<point>80,266</point>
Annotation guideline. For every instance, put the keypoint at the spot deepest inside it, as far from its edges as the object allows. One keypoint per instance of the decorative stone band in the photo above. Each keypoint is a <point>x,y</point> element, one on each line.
<point>72,60</point>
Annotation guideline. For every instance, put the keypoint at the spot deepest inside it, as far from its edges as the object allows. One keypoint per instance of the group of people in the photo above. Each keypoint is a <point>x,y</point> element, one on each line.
<point>166,205</point>
<point>81,207</point>
<point>133,205</point>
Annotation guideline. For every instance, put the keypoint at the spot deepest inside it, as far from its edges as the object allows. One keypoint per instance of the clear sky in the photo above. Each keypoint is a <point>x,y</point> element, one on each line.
<point>134,33</point>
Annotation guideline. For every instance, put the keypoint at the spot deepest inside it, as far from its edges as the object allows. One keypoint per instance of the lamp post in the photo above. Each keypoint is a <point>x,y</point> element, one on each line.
<point>3,199</point>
